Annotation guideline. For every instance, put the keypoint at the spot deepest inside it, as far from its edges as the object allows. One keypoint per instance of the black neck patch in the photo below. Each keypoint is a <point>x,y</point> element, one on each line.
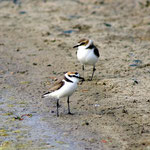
<point>96,52</point>
<point>66,79</point>
<point>90,46</point>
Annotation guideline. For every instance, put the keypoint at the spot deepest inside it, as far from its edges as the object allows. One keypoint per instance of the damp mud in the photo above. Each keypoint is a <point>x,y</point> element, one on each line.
<point>32,131</point>
<point>36,48</point>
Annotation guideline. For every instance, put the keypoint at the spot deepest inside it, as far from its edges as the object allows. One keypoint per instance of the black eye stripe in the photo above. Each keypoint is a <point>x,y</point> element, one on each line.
<point>73,76</point>
<point>82,43</point>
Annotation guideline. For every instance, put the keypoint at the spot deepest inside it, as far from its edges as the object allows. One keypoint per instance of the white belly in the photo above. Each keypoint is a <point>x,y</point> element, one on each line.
<point>66,90</point>
<point>86,56</point>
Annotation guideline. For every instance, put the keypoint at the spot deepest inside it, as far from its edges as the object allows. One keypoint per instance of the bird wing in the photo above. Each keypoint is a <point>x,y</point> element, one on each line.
<point>57,85</point>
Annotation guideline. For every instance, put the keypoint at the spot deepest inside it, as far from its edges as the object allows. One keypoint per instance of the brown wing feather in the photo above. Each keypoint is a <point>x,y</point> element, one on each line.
<point>57,86</point>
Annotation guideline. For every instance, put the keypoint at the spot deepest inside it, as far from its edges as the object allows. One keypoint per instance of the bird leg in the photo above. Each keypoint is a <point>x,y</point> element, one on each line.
<point>93,72</point>
<point>68,106</point>
<point>57,107</point>
<point>83,70</point>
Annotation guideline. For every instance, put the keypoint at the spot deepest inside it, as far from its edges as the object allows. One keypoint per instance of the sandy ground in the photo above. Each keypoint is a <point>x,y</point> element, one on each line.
<point>36,40</point>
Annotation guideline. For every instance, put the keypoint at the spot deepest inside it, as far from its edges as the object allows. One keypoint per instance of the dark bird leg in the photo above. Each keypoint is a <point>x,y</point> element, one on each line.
<point>68,106</point>
<point>93,72</point>
<point>83,70</point>
<point>57,107</point>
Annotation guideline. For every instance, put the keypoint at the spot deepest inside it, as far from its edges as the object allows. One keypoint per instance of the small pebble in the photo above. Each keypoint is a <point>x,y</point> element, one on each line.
<point>148,100</point>
<point>22,12</point>
<point>107,24</point>
<point>87,123</point>
<point>68,31</point>
<point>34,64</point>
<point>18,50</point>
<point>49,65</point>
<point>125,111</point>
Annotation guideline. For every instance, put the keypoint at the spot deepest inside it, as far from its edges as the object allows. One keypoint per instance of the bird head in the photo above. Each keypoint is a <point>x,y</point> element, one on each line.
<point>74,76</point>
<point>84,43</point>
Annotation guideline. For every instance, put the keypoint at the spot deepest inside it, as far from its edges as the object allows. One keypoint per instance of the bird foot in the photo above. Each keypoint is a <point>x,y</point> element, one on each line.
<point>69,113</point>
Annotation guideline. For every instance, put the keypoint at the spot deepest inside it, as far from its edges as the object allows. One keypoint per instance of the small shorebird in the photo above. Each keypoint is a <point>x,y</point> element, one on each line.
<point>87,54</point>
<point>64,88</point>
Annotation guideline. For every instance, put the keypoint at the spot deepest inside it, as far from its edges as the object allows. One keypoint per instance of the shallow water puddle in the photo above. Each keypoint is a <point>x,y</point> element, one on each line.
<point>30,131</point>
<point>41,133</point>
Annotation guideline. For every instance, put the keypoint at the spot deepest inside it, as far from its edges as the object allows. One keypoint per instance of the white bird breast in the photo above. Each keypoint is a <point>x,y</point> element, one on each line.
<point>66,90</point>
<point>86,56</point>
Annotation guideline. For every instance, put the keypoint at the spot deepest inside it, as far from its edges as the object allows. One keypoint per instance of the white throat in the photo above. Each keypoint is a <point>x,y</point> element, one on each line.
<point>89,43</point>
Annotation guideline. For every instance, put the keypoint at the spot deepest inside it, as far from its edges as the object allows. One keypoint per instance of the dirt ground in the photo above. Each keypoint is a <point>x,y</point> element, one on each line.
<point>36,40</point>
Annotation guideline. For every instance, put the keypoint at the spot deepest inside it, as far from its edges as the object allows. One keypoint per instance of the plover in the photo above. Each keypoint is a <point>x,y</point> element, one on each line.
<point>87,54</point>
<point>64,88</point>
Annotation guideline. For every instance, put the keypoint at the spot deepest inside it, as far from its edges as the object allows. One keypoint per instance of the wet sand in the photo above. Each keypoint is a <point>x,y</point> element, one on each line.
<point>36,40</point>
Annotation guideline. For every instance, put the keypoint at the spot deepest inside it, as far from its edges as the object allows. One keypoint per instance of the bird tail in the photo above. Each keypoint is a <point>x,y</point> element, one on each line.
<point>46,95</point>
